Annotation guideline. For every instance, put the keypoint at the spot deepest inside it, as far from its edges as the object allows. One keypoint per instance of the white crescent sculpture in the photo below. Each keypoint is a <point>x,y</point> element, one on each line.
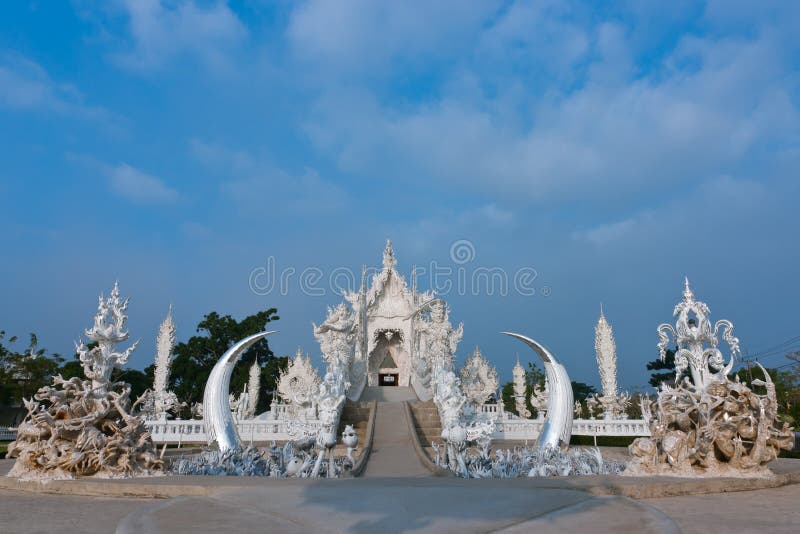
<point>557,428</point>
<point>217,417</point>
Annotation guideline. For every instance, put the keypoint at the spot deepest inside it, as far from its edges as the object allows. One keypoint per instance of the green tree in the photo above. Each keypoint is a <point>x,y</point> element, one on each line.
<point>787,389</point>
<point>195,357</point>
<point>666,369</point>
<point>533,376</point>
<point>23,373</point>
<point>581,391</point>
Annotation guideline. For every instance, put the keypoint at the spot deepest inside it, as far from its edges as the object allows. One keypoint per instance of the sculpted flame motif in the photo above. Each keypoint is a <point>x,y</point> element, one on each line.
<point>159,401</point>
<point>708,425</point>
<point>520,387</point>
<point>108,330</point>
<point>613,404</point>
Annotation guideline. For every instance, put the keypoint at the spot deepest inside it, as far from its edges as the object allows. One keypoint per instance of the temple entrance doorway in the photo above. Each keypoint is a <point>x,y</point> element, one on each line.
<point>388,379</point>
<point>387,360</point>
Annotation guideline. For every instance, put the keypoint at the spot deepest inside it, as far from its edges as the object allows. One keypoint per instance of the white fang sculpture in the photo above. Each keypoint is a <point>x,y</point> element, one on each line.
<point>557,428</point>
<point>216,401</point>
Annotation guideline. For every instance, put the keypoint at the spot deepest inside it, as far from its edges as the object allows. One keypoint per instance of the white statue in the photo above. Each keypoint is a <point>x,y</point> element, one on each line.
<point>520,389</point>
<point>253,389</point>
<point>707,424</point>
<point>158,402</point>
<point>298,385</point>
<point>613,404</point>
<point>539,397</point>
<point>87,427</point>
<point>350,440</point>
<point>478,379</point>
<point>239,404</point>
<point>107,331</point>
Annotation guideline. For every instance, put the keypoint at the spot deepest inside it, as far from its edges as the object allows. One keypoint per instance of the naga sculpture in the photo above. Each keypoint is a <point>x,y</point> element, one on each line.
<point>87,427</point>
<point>707,424</point>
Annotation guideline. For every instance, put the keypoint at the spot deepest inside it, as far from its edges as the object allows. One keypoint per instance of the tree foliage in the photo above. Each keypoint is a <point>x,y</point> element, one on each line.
<point>533,376</point>
<point>195,357</point>
<point>665,370</point>
<point>581,391</point>
<point>787,388</point>
<point>22,373</point>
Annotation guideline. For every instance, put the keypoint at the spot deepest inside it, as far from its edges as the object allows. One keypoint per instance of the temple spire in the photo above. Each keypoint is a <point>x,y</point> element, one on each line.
<point>389,261</point>
<point>688,295</point>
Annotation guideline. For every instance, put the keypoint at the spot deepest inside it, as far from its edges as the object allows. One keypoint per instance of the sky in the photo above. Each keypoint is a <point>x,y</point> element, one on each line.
<point>585,152</point>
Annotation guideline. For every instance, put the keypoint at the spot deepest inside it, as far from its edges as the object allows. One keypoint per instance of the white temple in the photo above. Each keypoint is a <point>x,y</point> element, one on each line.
<point>392,334</point>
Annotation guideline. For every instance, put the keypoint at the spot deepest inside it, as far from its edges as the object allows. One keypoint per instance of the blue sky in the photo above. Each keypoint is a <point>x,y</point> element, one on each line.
<point>612,147</point>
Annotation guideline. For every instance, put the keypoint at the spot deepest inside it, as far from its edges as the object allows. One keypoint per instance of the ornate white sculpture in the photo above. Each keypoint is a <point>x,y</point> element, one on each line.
<point>107,331</point>
<point>87,428</point>
<point>478,379</point>
<point>520,389</point>
<point>613,404</point>
<point>336,337</point>
<point>240,404</point>
<point>540,398</point>
<point>298,385</point>
<point>158,402</point>
<point>708,425</point>
<point>533,462</point>
<point>253,390</point>
<point>350,440</point>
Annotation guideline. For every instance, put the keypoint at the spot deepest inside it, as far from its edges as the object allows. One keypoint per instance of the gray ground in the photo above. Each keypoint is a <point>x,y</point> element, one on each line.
<point>397,495</point>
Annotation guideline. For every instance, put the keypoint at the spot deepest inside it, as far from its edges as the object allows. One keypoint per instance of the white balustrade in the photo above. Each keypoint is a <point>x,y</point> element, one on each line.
<point>278,424</point>
<point>513,427</point>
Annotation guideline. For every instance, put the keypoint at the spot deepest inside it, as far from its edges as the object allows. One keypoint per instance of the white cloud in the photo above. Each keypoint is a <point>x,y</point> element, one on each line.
<point>606,129</point>
<point>164,31</point>
<point>138,186</point>
<point>710,214</point>
<point>26,86</point>
<point>255,184</point>
<point>343,36</point>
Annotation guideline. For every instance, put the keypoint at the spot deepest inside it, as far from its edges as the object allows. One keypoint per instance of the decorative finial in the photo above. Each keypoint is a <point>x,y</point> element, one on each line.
<point>601,310</point>
<point>687,291</point>
<point>389,260</point>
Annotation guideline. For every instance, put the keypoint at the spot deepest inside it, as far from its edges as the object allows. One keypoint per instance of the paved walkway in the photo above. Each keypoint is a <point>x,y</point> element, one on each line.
<point>392,450</point>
